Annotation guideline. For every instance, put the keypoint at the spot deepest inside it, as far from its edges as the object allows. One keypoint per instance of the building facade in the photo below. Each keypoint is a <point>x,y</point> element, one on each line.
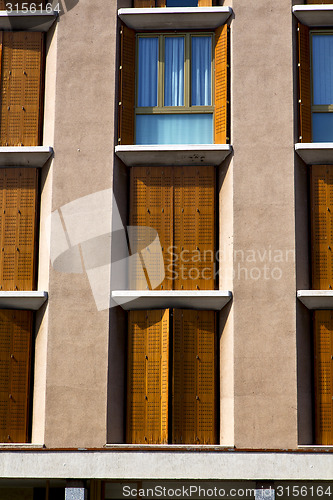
<point>166,274</point>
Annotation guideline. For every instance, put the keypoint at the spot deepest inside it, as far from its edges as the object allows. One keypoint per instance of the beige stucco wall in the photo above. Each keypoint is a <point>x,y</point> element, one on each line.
<point>78,334</point>
<point>264,313</point>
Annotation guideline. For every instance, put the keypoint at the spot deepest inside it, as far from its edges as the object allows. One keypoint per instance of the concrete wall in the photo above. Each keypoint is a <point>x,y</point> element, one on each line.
<point>78,334</point>
<point>262,134</point>
<point>80,351</point>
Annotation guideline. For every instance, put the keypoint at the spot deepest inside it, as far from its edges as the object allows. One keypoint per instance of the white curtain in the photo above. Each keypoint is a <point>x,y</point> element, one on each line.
<point>201,60</point>
<point>174,71</point>
<point>322,63</point>
<point>148,63</point>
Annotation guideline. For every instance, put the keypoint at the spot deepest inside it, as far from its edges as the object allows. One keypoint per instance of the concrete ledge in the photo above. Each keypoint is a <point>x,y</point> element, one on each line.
<point>314,15</point>
<point>22,300</point>
<point>27,21</point>
<point>316,299</point>
<point>24,156</point>
<point>175,18</point>
<point>205,300</point>
<point>163,465</point>
<point>318,153</point>
<point>21,446</point>
<point>170,155</point>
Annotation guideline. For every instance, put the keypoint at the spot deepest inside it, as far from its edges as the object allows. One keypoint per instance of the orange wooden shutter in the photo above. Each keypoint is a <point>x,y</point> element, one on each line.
<point>318,1</point>
<point>221,67</point>
<point>15,356</point>
<point>194,228</point>
<point>321,224</point>
<point>126,86</point>
<point>21,89</point>
<point>194,377</point>
<point>18,189</point>
<point>304,83</point>
<point>151,207</point>
<point>144,3</point>
<point>323,371</point>
<point>204,3</point>
<point>148,377</point>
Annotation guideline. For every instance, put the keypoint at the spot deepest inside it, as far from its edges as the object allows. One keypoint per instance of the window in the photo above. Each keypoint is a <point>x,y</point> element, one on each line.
<point>322,90</point>
<point>179,203</point>
<point>174,89</point>
<point>182,3</point>
<point>171,377</point>
<point>178,93</point>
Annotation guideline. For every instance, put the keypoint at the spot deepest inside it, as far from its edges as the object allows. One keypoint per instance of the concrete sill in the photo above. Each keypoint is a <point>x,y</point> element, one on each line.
<point>31,301</point>
<point>27,21</point>
<point>315,153</point>
<point>24,156</point>
<point>175,18</point>
<point>182,299</point>
<point>316,299</point>
<point>170,155</point>
<point>314,15</point>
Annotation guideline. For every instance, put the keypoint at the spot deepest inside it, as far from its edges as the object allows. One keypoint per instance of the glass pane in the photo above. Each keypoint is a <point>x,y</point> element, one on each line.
<point>322,127</point>
<point>201,63</point>
<point>174,72</point>
<point>174,129</point>
<point>322,64</point>
<point>148,62</point>
<point>182,3</point>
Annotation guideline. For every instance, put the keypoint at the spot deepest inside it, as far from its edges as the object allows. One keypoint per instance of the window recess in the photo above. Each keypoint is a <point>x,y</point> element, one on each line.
<point>171,377</point>
<point>179,90</point>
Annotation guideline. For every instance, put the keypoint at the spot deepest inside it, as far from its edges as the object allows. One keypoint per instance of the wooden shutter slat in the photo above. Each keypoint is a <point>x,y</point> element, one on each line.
<point>18,203</point>
<point>194,377</point>
<point>318,1</point>
<point>304,82</point>
<point>144,3</point>
<point>15,363</point>
<point>151,206</point>
<point>194,228</point>
<point>204,3</point>
<point>220,84</point>
<point>148,377</point>
<point>21,84</point>
<point>323,375</point>
<point>126,86</point>
<point>322,226</point>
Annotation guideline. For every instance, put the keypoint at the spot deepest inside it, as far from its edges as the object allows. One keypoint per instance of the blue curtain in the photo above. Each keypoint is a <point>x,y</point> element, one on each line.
<point>174,71</point>
<point>201,60</point>
<point>148,63</point>
<point>322,63</point>
<point>182,3</point>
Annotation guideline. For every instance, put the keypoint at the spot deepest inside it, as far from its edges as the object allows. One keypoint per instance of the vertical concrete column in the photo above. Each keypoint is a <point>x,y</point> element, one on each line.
<point>75,490</point>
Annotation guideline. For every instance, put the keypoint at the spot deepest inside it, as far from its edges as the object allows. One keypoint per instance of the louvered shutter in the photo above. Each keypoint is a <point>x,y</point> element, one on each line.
<point>21,89</point>
<point>126,86</point>
<point>194,377</point>
<point>304,80</point>
<point>15,356</point>
<point>204,3</point>
<point>220,84</point>
<point>323,371</point>
<point>18,200</point>
<point>148,377</point>
<point>194,228</point>
<point>318,1</point>
<point>144,3</point>
<point>151,195</point>
<point>322,226</point>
